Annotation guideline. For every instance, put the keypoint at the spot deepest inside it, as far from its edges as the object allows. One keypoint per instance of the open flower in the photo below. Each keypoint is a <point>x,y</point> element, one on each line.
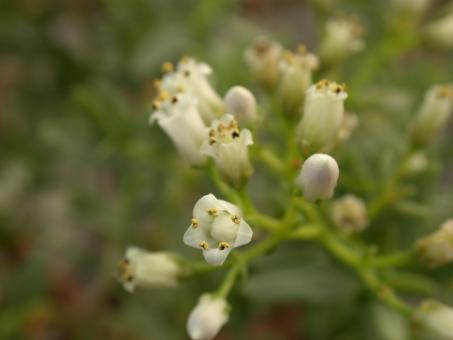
<point>436,250</point>
<point>433,113</point>
<point>342,38</point>
<point>296,76</point>
<point>148,269</point>
<point>208,316</point>
<point>192,77</point>
<point>178,116</point>
<point>263,58</point>
<point>318,177</point>
<point>323,116</point>
<point>217,227</point>
<point>228,146</point>
<point>349,213</point>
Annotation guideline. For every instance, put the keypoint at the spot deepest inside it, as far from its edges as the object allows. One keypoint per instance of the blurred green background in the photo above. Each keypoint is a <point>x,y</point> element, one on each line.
<point>83,175</point>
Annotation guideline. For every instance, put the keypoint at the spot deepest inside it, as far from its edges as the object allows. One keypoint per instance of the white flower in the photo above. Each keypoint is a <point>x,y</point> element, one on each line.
<point>208,317</point>
<point>349,213</point>
<point>433,113</point>
<point>318,177</point>
<point>436,250</point>
<point>263,59</point>
<point>192,77</point>
<point>140,268</point>
<point>229,148</point>
<point>342,38</point>
<point>178,116</point>
<point>323,116</point>
<point>296,76</point>
<point>241,103</point>
<point>435,320</point>
<point>440,31</point>
<point>217,227</point>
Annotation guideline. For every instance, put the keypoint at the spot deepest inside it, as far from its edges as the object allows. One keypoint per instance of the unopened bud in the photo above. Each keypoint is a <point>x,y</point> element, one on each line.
<point>440,31</point>
<point>349,213</point>
<point>241,103</point>
<point>437,249</point>
<point>207,318</point>
<point>433,114</point>
<point>318,177</point>
<point>434,320</point>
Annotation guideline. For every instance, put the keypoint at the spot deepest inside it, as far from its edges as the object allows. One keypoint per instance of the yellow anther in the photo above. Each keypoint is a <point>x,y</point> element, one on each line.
<point>174,100</point>
<point>194,223</point>
<point>212,140</point>
<point>167,67</point>
<point>163,95</point>
<point>224,245</point>
<point>156,105</point>
<point>301,49</point>
<point>179,88</point>
<point>235,134</point>
<point>184,60</point>
<point>186,73</point>
<point>204,245</point>
<point>235,219</point>
<point>157,83</point>
<point>212,211</point>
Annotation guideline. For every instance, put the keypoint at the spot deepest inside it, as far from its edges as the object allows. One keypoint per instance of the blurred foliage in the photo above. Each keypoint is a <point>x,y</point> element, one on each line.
<point>83,175</point>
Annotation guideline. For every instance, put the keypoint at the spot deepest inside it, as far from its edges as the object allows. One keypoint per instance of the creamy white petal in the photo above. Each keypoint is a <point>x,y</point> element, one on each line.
<point>194,236</point>
<point>244,234</point>
<point>200,210</point>
<point>215,256</point>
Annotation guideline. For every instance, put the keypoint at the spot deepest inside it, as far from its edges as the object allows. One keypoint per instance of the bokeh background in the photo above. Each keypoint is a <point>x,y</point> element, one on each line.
<point>83,175</point>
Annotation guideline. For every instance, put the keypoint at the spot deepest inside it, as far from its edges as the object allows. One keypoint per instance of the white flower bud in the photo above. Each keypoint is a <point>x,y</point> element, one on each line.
<point>208,317</point>
<point>140,268</point>
<point>217,227</point>
<point>342,38</point>
<point>192,77</point>
<point>440,31</point>
<point>433,113</point>
<point>241,103</point>
<point>263,58</point>
<point>318,177</point>
<point>178,116</point>
<point>417,163</point>
<point>323,116</point>
<point>296,76</point>
<point>434,320</point>
<point>349,213</point>
<point>437,249</point>
<point>228,146</point>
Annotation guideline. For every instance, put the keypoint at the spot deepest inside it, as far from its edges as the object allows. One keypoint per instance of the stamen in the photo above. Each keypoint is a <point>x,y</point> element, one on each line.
<point>174,100</point>
<point>156,105</point>
<point>235,219</point>
<point>204,245</point>
<point>186,73</point>
<point>235,134</point>
<point>194,223</point>
<point>167,67</point>
<point>224,245</point>
<point>212,140</point>
<point>212,211</point>
<point>157,83</point>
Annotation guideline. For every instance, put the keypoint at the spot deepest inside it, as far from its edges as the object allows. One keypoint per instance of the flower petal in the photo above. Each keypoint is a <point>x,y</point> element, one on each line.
<point>231,208</point>
<point>203,204</point>
<point>244,234</point>
<point>215,256</point>
<point>193,237</point>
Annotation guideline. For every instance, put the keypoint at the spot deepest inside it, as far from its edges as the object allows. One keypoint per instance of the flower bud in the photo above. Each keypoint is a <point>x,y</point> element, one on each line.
<point>263,58</point>
<point>241,103</point>
<point>342,38</point>
<point>439,32</point>
<point>437,249</point>
<point>208,317</point>
<point>434,320</point>
<point>318,177</point>
<point>296,76</point>
<point>349,213</point>
<point>323,116</point>
<point>433,113</point>
<point>148,269</point>
<point>228,146</point>
<point>179,117</point>
<point>217,227</point>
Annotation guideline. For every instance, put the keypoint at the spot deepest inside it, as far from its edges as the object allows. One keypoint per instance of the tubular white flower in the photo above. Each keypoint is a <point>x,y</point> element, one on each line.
<point>342,38</point>
<point>217,227</point>
<point>433,113</point>
<point>263,59</point>
<point>241,103</point>
<point>296,76</point>
<point>178,116</point>
<point>318,177</point>
<point>229,148</point>
<point>208,317</point>
<point>323,116</point>
<point>192,77</point>
<point>140,268</point>
<point>440,31</point>
<point>435,320</point>
<point>349,213</point>
<point>436,250</point>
